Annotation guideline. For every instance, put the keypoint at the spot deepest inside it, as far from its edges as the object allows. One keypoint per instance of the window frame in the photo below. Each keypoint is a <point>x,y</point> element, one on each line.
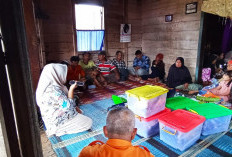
<point>74,25</point>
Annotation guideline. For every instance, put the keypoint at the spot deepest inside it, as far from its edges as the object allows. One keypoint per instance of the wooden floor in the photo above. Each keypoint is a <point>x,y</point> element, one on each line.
<point>46,145</point>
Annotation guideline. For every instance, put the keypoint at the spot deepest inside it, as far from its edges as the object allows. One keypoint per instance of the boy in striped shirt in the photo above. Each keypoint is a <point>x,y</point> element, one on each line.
<point>106,68</point>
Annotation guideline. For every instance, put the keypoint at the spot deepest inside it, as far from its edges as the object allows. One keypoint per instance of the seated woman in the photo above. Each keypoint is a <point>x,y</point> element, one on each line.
<point>220,63</point>
<point>121,66</point>
<point>212,65</point>
<point>157,69</point>
<point>179,77</point>
<point>58,109</point>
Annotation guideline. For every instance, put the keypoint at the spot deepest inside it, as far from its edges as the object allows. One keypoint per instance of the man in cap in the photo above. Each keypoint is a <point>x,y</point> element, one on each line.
<point>107,68</point>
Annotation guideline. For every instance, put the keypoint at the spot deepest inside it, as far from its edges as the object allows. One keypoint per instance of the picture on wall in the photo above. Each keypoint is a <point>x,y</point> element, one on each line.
<point>168,18</point>
<point>191,8</point>
<point>125,33</point>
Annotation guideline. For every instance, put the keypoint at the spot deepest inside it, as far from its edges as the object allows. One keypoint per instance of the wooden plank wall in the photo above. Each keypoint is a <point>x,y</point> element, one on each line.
<point>114,16</point>
<point>58,30</point>
<point>150,33</point>
<point>134,18</point>
<point>118,12</point>
<point>32,41</point>
<point>173,39</point>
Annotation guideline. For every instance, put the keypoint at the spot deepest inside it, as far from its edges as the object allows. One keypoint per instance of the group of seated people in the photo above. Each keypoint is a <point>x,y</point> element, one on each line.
<point>61,115</point>
<point>105,71</point>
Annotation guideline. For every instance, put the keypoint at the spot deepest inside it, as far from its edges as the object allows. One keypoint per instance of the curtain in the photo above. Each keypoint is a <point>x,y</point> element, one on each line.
<point>227,37</point>
<point>90,40</point>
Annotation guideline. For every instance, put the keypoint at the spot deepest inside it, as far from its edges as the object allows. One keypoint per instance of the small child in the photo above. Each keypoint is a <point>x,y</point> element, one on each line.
<point>223,89</point>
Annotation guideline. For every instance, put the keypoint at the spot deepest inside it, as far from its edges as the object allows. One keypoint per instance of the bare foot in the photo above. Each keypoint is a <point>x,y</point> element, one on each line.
<point>138,79</point>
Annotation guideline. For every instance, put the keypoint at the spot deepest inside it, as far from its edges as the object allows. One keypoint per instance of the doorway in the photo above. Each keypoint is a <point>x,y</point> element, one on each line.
<point>211,40</point>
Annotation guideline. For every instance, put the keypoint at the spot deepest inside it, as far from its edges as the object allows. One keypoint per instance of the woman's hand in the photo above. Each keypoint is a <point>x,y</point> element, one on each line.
<point>73,86</point>
<point>71,90</point>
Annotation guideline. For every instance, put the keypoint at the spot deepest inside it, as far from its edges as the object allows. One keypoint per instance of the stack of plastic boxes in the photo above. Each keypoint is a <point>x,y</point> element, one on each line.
<point>217,117</point>
<point>217,120</point>
<point>148,104</point>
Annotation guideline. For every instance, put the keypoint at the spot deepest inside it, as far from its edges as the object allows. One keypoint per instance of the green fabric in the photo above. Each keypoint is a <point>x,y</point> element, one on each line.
<point>191,87</point>
<point>175,103</point>
<point>87,66</point>
<point>210,110</point>
<point>206,99</point>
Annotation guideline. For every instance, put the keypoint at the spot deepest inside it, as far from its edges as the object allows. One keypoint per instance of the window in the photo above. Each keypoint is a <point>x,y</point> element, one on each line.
<point>89,27</point>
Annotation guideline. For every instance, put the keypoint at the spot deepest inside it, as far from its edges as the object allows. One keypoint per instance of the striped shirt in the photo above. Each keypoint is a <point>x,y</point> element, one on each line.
<point>106,67</point>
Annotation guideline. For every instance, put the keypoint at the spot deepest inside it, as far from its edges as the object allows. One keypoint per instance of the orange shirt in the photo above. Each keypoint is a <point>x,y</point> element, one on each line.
<point>114,148</point>
<point>75,73</point>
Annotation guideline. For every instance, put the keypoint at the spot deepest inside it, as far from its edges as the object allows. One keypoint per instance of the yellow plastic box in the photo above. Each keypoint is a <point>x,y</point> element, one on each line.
<point>147,100</point>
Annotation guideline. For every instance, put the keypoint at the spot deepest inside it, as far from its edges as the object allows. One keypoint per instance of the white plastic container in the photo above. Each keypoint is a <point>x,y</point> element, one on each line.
<point>147,100</point>
<point>180,129</point>
<point>148,127</point>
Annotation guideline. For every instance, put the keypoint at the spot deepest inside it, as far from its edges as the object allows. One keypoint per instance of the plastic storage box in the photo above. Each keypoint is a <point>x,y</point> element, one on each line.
<point>147,100</point>
<point>180,129</point>
<point>180,103</point>
<point>217,117</point>
<point>148,127</point>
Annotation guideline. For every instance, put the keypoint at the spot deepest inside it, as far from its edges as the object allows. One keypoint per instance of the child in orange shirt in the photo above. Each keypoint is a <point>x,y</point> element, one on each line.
<point>75,71</point>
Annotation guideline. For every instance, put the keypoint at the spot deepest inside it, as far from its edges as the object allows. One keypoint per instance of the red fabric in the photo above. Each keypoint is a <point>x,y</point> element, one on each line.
<point>75,73</point>
<point>230,62</point>
<point>159,57</point>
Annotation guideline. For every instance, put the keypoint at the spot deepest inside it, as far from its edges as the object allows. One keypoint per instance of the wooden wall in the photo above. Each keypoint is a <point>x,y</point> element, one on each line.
<point>59,33</point>
<point>32,41</point>
<point>173,39</point>
<point>150,32</point>
<point>114,16</point>
<point>134,18</point>
<point>118,12</point>
<point>58,29</point>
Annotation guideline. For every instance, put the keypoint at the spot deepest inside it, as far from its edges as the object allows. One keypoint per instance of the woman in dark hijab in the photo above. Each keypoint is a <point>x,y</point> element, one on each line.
<point>179,74</point>
<point>212,64</point>
<point>157,69</point>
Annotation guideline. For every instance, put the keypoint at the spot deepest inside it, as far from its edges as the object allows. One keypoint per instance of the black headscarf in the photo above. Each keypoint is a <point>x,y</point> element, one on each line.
<point>212,66</point>
<point>178,76</point>
<point>181,59</point>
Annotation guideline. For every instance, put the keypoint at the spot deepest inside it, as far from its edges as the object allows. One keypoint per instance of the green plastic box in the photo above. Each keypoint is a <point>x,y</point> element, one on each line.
<point>217,117</point>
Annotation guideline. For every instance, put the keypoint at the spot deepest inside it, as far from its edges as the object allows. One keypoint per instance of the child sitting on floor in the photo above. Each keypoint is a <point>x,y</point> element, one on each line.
<point>222,90</point>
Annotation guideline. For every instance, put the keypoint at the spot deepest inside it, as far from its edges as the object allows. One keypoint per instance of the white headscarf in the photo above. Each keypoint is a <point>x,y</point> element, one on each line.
<point>52,74</point>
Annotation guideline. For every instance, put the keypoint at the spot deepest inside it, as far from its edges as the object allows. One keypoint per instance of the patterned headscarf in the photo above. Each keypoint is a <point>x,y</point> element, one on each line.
<point>52,74</point>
